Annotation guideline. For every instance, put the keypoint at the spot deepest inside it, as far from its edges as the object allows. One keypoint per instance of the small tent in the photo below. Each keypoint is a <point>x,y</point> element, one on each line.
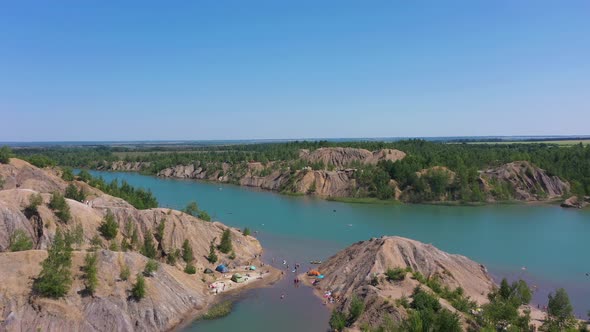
<point>222,268</point>
<point>208,271</point>
<point>252,268</point>
<point>238,278</point>
<point>313,273</point>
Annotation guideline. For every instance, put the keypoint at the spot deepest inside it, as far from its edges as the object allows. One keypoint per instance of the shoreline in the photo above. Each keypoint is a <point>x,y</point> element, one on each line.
<point>234,294</point>
<point>360,200</point>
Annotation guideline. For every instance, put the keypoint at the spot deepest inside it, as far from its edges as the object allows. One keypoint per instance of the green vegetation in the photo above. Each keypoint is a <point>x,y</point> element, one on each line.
<point>190,269</point>
<point>148,249</point>
<point>569,162</point>
<point>502,310</point>
<point>246,231</point>
<point>428,315</point>
<point>60,207</point>
<point>139,198</point>
<point>172,257</point>
<point>55,278</point>
<point>225,245</point>
<point>90,270</point>
<point>219,310</point>
<point>150,267</point>
<point>212,257</point>
<point>337,320</point>
<point>20,241</point>
<point>138,291</point>
<point>5,154</point>
<point>34,201</point>
<point>187,252</point>
<point>396,274</point>
<point>109,227</point>
<point>160,231</point>
<point>125,273</point>
<point>355,310</point>
<point>192,208</point>
<point>560,313</point>
<point>67,174</point>
<point>73,193</point>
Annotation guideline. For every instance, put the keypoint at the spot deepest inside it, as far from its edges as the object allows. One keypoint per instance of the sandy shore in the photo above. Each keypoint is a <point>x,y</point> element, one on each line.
<point>269,276</point>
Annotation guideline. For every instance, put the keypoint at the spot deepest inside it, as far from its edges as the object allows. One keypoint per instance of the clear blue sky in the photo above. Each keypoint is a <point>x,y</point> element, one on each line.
<point>123,70</point>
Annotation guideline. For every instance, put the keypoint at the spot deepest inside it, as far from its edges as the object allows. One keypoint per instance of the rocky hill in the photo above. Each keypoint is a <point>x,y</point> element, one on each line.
<point>527,182</point>
<point>342,157</point>
<point>172,294</point>
<point>361,271</point>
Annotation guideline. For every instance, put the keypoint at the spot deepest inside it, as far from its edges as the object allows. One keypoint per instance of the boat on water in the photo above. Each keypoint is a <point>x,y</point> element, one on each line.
<point>315,262</point>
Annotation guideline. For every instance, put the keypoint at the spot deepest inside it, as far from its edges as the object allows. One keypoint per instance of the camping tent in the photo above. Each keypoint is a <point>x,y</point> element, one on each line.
<point>252,268</point>
<point>208,271</point>
<point>222,268</point>
<point>238,278</point>
<point>313,273</point>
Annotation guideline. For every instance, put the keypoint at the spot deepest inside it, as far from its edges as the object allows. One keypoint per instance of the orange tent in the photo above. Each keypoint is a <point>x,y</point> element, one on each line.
<point>313,273</point>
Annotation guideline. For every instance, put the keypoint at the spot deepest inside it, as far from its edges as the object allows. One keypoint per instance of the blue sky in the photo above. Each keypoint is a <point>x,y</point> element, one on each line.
<point>126,70</point>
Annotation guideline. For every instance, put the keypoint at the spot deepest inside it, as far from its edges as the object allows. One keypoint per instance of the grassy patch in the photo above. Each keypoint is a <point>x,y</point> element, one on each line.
<point>219,310</point>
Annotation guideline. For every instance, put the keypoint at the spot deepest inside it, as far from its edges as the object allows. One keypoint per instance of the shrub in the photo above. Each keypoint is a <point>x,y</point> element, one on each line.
<point>173,257</point>
<point>232,255</point>
<point>150,267</point>
<point>96,242</point>
<point>138,291</point>
<point>187,252</point>
<point>20,241</point>
<point>191,208</point>
<point>148,249</point>
<point>246,231</point>
<point>125,273</point>
<point>203,215</point>
<point>337,320</point>
<point>356,309</point>
<point>160,231</point>
<point>419,277</point>
<point>109,227</point>
<point>67,174</point>
<point>396,274</point>
<point>90,269</point>
<point>114,246</point>
<point>55,279</point>
<point>60,207</point>
<point>73,193</point>
<point>190,269</point>
<point>5,154</point>
<point>84,176</point>
<point>225,245</point>
<point>34,201</point>
<point>219,310</point>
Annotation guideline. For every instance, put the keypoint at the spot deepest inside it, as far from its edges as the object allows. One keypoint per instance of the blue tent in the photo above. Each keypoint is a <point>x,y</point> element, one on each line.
<point>222,268</point>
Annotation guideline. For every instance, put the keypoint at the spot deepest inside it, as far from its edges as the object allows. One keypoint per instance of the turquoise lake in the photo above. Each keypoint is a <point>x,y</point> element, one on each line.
<point>546,245</point>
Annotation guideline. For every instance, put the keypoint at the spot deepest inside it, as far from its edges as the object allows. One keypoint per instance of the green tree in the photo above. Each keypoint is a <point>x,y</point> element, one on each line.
<point>203,215</point>
<point>160,231</point>
<point>60,207</point>
<point>246,231</point>
<point>138,291</point>
<point>225,245</point>
<point>84,176</point>
<point>212,257</point>
<point>5,154</point>
<point>67,174</point>
<point>148,249</point>
<point>191,208</point>
<point>109,227</point>
<point>20,241</point>
<point>90,269</point>
<point>356,309</point>
<point>72,192</point>
<point>337,320</point>
<point>560,313</point>
<point>55,279</point>
<point>187,252</point>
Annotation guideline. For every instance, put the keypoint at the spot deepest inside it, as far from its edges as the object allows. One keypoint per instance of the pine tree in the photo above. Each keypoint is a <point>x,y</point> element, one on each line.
<point>225,245</point>
<point>212,258</point>
<point>109,227</point>
<point>55,278</point>
<point>187,252</point>
<point>148,249</point>
<point>138,291</point>
<point>90,269</point>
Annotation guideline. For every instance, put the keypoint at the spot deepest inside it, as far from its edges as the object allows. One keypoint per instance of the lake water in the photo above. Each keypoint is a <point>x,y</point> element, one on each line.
<point>551,242</point>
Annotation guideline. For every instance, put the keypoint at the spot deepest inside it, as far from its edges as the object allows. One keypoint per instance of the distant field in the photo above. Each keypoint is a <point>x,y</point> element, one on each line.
<point>143,153</point>
<point>563,142</point>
